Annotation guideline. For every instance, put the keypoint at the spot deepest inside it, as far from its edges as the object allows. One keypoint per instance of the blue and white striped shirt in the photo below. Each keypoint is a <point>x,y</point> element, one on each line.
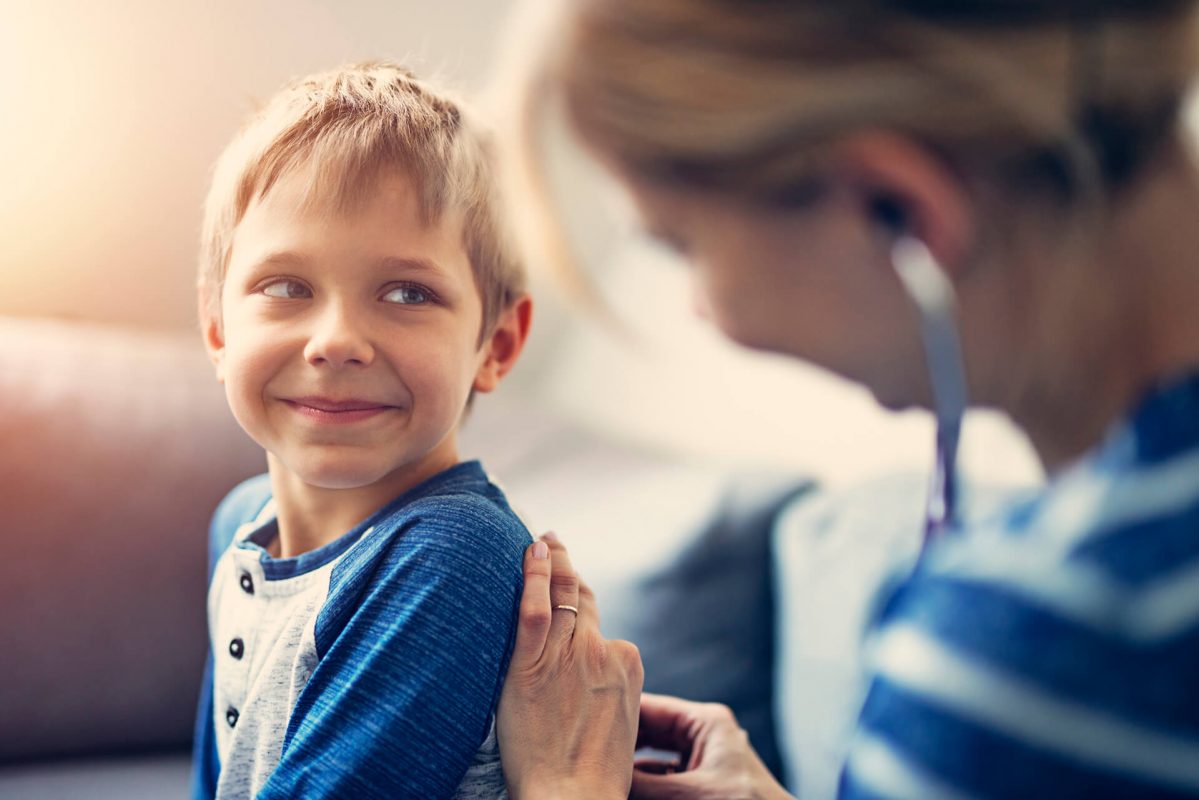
<point>369,667</point>
<point>1057,653</point>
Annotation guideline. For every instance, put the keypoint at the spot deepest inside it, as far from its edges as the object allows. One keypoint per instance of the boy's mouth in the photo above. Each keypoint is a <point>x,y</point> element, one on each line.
<point>323,409</point>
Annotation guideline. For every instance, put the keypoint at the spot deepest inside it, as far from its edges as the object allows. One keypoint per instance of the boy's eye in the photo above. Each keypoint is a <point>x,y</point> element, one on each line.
<point>408,295</point>
<point>286,289</point>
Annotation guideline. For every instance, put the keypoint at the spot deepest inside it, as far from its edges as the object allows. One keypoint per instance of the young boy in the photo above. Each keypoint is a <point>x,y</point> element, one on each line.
<point>355,291</point>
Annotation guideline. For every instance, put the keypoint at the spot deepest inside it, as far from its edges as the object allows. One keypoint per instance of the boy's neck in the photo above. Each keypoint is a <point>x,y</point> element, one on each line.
<point>312,516</point>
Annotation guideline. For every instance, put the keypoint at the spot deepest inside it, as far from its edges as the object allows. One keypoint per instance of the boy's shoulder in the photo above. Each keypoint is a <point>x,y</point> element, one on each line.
<point>457,515</point>
<point>459,510</point>
<point>453,541</point>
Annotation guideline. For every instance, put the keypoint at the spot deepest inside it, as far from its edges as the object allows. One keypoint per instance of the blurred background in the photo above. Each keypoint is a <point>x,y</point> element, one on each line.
<point>113,113</point>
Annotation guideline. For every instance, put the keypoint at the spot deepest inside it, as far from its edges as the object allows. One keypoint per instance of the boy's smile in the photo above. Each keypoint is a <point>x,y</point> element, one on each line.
<point>350,337</point>
<point>323,409</point>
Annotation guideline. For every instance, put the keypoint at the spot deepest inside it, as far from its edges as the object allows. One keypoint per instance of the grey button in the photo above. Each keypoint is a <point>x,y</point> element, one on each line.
<point>247,583</point>
<point>231,716</point>
<point>237,647</point>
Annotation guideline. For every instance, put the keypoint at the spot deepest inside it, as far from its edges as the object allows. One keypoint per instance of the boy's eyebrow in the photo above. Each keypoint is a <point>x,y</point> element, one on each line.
<point>397,263</point>
<point>279,257</point>
<point>411,264</point>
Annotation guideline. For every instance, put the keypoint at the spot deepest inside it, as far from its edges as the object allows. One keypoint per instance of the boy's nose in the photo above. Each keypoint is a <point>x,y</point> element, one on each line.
<point>338,343</point>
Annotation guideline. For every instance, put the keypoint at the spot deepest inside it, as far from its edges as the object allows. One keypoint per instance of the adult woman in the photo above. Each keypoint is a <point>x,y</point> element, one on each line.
<point>892,189</point>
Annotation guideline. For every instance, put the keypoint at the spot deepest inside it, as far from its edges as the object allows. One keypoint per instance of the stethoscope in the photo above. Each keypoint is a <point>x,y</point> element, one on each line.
<point>931,293</point>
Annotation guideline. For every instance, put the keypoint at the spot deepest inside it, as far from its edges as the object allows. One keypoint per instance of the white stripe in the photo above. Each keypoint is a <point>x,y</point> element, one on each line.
<point>1082,593</point>
<point>910,658</point>
<point>1078,592</point>
<point>886,773</point>
<point>1166,608</point>
<point>1088,501</point>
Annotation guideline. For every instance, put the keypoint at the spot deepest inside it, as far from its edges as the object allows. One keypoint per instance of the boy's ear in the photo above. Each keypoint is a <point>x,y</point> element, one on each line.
<point>504,345</point>
<point>214,339</point>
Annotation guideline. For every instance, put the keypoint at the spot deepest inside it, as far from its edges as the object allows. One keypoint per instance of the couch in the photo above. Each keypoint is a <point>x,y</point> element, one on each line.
<point>117,446</point>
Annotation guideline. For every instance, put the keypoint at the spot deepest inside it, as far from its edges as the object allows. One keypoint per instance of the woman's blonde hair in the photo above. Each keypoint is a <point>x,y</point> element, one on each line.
<point>1064,96</point>
<point>351,125</point>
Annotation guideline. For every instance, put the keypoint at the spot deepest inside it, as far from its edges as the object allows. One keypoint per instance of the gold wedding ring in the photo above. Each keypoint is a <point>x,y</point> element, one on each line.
<point>565,607</point>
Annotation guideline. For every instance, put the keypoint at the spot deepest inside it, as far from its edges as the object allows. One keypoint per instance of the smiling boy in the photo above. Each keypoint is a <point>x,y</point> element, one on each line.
<point>356,290</point>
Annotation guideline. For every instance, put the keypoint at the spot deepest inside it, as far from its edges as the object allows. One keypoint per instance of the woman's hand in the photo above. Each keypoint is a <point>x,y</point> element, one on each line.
<point>716,760</point>
<point>568,713</point>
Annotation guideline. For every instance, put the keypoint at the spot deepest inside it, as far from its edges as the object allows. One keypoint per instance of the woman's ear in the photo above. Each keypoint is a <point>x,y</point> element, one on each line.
<point>214,338</point>
<point>504,345</point>
<point>901,182</point>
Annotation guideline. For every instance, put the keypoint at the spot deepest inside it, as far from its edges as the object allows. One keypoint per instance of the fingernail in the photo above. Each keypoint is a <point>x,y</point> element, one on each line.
<point>550,536</point>
<point>541,550</point>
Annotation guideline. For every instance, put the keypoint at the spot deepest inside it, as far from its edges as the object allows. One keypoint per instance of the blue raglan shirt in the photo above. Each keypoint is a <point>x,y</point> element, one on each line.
<point>370,667</point>
<point>1056,653</point>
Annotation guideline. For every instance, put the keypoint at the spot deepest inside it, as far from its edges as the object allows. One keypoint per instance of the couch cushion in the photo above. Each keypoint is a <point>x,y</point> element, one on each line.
<point>116,448</point>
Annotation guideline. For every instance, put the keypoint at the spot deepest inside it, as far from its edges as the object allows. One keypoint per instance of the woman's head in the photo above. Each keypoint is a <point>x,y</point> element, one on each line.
<point>770,139</point>
<point>736,95</point>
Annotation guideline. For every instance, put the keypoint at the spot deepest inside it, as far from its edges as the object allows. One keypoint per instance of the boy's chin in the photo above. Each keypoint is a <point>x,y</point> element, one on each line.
<point>341,478</point>
<point>338,481</point>
<point>329,476</point>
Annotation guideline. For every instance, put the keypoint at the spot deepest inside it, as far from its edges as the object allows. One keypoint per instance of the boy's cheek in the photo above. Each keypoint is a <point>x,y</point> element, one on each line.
<point>245,373</point>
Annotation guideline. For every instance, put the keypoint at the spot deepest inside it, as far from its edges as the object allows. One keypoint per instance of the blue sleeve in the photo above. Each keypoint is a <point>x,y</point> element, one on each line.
<point>988,688</point>
<point>239,506</point>
<point>413,646</point>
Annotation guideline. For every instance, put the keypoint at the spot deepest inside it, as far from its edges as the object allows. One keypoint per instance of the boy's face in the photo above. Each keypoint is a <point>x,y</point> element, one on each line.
<point>350,339</point>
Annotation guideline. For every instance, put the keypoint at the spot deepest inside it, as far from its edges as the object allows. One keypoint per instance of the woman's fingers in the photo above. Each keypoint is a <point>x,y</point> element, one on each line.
<point>564,591</point>
<point>567,717</point>
<point>667,723</point>
<point>588,609</point>
<point>668,786</point>
<point>536,613</point>
<point>717,760</point>
<point>657,766</point>
<point>550,581</point>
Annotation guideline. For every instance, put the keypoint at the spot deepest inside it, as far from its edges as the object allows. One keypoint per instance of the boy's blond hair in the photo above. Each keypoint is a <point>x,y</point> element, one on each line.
<point>352,125</point>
